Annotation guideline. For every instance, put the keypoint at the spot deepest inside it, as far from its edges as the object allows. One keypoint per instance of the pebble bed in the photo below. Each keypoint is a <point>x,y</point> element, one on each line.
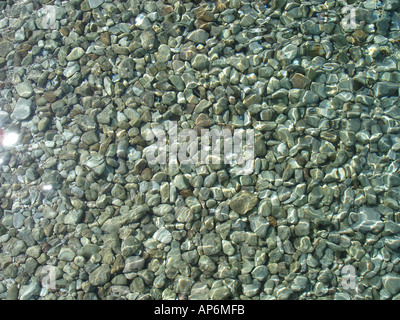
<point>81,206</point>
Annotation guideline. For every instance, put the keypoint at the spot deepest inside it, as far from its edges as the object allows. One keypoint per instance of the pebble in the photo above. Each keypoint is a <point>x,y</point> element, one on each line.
<point>22,109</point>
<point>79,195</point>
<point>24,89</point>
<point>30,290</point>
<point>100,276</point>
<point>75,54</point>
<point>243,202</point>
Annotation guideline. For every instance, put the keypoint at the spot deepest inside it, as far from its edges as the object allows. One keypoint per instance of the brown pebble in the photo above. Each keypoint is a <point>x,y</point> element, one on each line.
<point>50,97</point>
<point>147,174</point>
<point>203,121</point>
<point>105,38</point>
<point>359,36</point>
<point>186,193</point>
<point>299,81</point>
<point>64,31</point>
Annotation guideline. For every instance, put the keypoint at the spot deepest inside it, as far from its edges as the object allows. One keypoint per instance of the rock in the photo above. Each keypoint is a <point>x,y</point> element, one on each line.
<point>299,283</point>
<point>164,53</point>
<point>126,68</point>
<point>12,293</point>
<point>66,254</point>
<point>100,276</point>
<point>260,273</point>
<point>259,225</point>
<point>299,81</point>
<point>243,202</point>
<point>180,182</point>
<point>134,264</point>
<point>43,124</point>
<point>5,48</point>
<point>22,110</point>
<point>88,250</point>
<point>93,4</point>
<point>163,235</point>
<point>30,290</point>
<point>288,52</point>
<point>211,244</point>
<point>220,293</point>
<point>382,89</point>
<point>4,118</point>
<point>250,290</point>
<point>198,36</point>
<point>183,214</point>
<point>200,62</point>
<point>76,53</point>
<point>24,89</point>
<point>240,63</point>
<point>391,282</point>
<point>369,220</point>
<point>142,22</point>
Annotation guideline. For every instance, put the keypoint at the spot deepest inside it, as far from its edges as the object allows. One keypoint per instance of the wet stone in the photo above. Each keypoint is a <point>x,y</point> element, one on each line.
<point>183,214</point>
<point>198,36</point>
<point>24,89</point>
<point>163,235</point>
<point>75,54</point>
<point>243,202</point>
<point>22,109</point>
<point>5,48</point>
<point>299,81</point>
<point>200,62</point>
<point>126,68</point>
<point>100,276</point>
<point>134,264</point>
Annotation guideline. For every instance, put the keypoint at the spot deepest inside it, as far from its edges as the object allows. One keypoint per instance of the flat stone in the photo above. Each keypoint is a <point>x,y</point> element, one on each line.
<point>24,89</point>
<point>30,290</point>
<point>4,118</point>
<point>75,54</point>
<point>299,81</point>
<point>22,109</point>
<point>5,48</point>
